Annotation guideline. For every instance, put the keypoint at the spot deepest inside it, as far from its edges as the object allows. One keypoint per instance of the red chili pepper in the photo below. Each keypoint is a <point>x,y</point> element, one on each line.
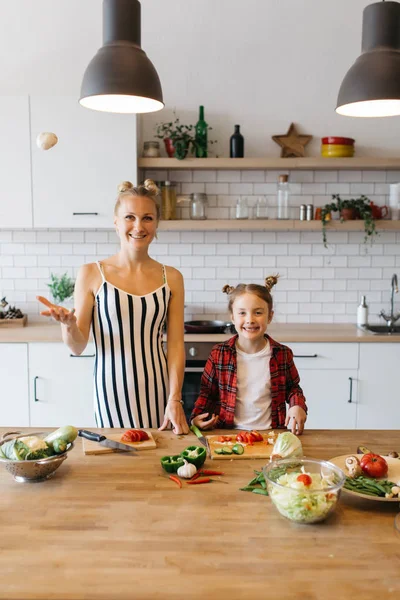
<point>178,481</point>
<point>209,472</point>
<point>196,475</point>
<point>204,480</point>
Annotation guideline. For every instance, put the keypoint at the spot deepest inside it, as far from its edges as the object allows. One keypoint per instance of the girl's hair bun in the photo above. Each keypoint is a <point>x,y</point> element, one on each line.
<point>270,281</point>
<point>227,289</point>
<point>151,186</point>
<point>125,186</point>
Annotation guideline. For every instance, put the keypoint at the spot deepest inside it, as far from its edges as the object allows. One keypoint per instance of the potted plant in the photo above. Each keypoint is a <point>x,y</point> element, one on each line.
<point>354,208</point>
<point>179,139</point>
<point>62,288</point>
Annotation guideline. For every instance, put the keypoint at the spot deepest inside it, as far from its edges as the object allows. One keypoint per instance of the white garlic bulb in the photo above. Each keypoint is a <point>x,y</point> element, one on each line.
<point>187,470</point>
<point>46,140</point>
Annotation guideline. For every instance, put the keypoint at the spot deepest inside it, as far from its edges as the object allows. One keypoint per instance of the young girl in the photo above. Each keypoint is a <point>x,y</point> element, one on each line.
<point>249,379</point>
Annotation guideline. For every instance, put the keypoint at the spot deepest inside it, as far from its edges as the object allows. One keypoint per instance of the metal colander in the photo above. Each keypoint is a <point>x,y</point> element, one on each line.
<point>30,471</point>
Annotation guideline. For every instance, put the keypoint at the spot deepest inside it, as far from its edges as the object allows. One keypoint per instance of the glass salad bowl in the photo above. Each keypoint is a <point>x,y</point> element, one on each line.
<point>304,490</point>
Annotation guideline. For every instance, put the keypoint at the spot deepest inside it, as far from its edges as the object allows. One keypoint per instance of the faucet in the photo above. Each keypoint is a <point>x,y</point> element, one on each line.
<point>392,318</point>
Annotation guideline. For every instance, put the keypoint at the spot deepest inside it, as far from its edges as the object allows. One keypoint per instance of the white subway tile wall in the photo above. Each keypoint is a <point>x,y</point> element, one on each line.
<point>317,285</point>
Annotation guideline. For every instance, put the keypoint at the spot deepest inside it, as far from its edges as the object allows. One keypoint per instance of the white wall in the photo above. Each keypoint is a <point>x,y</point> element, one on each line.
<point>260,63</point>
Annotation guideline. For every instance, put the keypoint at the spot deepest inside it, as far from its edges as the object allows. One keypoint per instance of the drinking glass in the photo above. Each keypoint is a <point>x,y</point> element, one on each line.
<point>242,208</point>
<point>261,208</point>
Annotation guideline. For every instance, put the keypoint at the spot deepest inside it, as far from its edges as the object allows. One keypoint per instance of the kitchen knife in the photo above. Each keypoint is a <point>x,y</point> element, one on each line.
<point>103,441</point>
<point>202,439</point>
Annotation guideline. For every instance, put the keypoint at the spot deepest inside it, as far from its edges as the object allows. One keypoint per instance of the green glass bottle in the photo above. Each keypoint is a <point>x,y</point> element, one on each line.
<point>201,135</point>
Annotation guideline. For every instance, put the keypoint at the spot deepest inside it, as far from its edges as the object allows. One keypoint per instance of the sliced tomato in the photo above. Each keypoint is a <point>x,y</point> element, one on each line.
<point>224,438</point>
<point>304,478</point>
<point>134,435</point>
<point>257,436</point>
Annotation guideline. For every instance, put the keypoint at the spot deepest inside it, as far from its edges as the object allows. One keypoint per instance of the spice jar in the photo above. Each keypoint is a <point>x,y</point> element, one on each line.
<point>197,208</point>
<point>151,149</point>
<point>168,201</point>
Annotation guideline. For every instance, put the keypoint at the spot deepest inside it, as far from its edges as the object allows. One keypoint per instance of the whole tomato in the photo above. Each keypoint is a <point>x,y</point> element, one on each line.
<point>374,465</point>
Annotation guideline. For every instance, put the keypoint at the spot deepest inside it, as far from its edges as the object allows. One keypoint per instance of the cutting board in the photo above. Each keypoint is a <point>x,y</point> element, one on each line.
<point>95,448</point>
<point>257,450</point>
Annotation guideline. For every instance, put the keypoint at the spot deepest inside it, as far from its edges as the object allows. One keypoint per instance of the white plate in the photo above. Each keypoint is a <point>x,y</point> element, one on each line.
<point>393,475</point>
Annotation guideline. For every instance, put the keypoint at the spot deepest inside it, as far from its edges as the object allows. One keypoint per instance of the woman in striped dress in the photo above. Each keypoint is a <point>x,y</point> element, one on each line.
<point>125,299</point>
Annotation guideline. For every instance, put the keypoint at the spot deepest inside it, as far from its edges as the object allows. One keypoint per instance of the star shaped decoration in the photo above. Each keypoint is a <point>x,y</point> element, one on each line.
<point>293,144</point>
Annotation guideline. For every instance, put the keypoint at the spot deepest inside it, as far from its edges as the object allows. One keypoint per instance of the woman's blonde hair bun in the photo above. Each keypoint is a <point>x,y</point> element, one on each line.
<point>124,186</point>
<point>270,281</point>
<point>227,289</point>
<point>151,186</point>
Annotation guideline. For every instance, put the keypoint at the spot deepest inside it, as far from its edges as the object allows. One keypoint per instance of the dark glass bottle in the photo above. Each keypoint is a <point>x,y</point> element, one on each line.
<point>201,135</point>
<point>237,144</point>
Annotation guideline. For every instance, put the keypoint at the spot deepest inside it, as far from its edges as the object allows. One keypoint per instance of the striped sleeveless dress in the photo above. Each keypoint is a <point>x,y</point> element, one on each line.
<point>130,372</point>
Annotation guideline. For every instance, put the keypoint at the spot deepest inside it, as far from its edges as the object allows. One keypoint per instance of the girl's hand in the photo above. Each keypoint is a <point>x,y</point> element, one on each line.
<point>201,422</point>
<point>59,313</point>
<point>299,417</point>
<point>175,415</point>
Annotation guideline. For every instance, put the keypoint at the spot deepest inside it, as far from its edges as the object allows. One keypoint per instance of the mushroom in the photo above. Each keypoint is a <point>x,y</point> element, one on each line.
<point>46,140</point>
<point>353,467</point>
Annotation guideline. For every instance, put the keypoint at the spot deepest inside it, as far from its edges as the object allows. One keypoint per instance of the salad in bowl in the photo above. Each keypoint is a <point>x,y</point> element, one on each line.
<point>304,490</point>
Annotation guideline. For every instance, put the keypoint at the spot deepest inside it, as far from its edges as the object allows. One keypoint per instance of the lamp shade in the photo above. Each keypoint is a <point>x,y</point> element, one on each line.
<point>121,78</point>
<point>371,87</point>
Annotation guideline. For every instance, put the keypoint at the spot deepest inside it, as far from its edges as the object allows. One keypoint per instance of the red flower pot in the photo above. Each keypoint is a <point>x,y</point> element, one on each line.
<point>349,214</point>
<point>169,147</point>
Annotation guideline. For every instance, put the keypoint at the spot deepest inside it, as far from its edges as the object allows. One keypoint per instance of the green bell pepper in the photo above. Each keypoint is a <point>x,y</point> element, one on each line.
<point>195,455</point>
<point>172,463</point>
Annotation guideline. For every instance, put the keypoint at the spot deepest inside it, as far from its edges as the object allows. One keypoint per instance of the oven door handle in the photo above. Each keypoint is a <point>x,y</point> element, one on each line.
<point>194,369</point>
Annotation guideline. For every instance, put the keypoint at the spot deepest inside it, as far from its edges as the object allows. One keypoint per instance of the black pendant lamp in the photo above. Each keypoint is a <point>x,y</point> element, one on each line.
<point>121,78</point>
<point>371,88</point>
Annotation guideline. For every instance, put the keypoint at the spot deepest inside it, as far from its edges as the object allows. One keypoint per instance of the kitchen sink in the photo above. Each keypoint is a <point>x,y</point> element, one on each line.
<point>382,329</point>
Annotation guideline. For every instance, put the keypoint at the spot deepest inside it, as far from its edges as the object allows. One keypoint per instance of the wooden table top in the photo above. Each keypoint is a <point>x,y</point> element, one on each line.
<point>114,527</point>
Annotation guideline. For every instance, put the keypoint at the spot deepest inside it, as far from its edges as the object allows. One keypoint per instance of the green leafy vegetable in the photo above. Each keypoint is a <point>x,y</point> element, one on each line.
<point>287,445</point>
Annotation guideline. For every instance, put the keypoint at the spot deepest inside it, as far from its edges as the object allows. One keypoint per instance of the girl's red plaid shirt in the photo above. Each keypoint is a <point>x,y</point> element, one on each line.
<point>219,384</point>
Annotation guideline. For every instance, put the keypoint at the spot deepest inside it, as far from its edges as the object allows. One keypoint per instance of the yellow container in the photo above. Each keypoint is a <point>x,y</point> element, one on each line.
<point>336,150</point>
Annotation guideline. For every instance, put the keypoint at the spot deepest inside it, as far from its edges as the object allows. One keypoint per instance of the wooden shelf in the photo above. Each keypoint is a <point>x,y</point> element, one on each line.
<point>270,225</point>
<point>279,164</point>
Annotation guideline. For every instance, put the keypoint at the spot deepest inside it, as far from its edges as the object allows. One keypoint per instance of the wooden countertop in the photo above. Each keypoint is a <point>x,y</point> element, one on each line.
<point>114,527</point>
<point>282,332</point>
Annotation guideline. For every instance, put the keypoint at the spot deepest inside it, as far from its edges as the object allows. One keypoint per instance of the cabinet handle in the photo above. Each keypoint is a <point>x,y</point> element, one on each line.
<point>85,213</point>
<point>82,356</point>
<point>36,399</point>
<point>351,390</point>
<point>305,355</point>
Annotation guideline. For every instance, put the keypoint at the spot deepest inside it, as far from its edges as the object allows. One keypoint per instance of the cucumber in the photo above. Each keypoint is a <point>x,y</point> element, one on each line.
<point>226,450</point>
<point>218,451</point>
<point>238,449</point>
<point>65,434</point>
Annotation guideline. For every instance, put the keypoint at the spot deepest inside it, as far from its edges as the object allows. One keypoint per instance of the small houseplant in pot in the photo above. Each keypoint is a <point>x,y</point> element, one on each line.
<point>179,139</point>
<point>354,208</point>
<point>62,290</point>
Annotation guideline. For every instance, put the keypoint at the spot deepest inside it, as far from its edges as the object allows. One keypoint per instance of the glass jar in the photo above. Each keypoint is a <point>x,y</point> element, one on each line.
<point>261,208</point>
<point>151,149</point>
<point>168,201</point>
<point>242,208</point>
<point>197,208</point>
<point>283,197</point>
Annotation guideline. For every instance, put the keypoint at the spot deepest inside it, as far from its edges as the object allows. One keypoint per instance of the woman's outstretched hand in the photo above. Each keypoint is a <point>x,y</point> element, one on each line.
<point>59,313</point>
<point>175,415</point>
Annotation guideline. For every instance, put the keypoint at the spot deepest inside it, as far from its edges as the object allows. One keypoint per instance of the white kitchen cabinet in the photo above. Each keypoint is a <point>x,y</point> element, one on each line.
<point>14,394</point>
<point>75,182</point>
<point>61,386</point>
<point>15,164</point>
<point>379,403</point>
<point>328,377</point>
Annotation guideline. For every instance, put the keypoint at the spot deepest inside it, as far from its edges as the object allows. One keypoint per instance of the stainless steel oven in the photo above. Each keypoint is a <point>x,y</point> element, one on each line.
<point>196,358</point>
